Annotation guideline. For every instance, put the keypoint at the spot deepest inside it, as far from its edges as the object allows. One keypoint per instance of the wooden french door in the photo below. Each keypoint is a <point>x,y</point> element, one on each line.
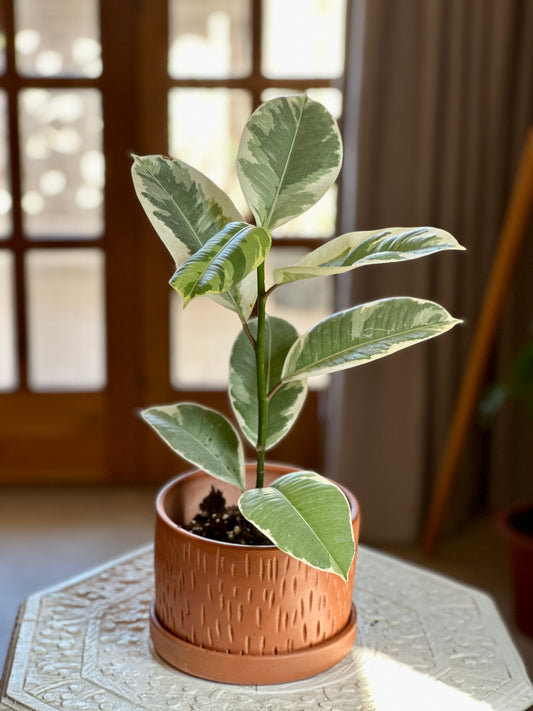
<point>89,329</point>
<point>68,359</point>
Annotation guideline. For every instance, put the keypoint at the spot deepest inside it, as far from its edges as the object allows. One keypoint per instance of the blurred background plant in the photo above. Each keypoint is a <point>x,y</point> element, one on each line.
<point>516,388</point>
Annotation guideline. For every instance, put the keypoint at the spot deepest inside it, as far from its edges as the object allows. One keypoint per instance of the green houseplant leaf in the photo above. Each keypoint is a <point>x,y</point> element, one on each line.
<point>223,261</point>
<point>365,333</point>
<point>186,209</point>
<point>357,249</point>
<point>241,298</point>
<point>289,155</point>
<point>183,205</point>
<point>306,516</point>
<point>202,436</point>
<point>285,405</point>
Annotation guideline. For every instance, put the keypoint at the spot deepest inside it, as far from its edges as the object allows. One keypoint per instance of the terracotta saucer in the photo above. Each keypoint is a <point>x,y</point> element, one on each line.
<point>251,669</point>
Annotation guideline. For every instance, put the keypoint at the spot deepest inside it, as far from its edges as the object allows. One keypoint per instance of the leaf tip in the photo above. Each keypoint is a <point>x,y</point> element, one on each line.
<point>174,283</point>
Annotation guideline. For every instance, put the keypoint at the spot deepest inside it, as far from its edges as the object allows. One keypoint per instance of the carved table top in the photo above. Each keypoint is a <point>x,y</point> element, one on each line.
<point>424,642</point>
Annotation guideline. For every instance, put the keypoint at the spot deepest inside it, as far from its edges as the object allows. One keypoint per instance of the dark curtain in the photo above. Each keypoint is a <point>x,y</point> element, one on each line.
<point>439,98</point>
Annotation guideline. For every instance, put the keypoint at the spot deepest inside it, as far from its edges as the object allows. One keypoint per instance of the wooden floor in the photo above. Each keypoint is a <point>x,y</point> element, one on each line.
<point>49,535</point>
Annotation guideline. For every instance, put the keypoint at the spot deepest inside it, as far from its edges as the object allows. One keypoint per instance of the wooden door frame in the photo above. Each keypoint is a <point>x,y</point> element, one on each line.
<point>121,61</point>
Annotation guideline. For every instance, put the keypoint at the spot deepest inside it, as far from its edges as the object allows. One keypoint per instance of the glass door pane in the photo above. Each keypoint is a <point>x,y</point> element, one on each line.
<point>209,39</point>
<point>316,49</point>
<point>8,361</point>
<point>62,162</point>
<point>202,336</point>
<point>66,319</point>
<point>57,38</point>
<point>5,188</point>
<point>2,37</point>
<point>205,127</point>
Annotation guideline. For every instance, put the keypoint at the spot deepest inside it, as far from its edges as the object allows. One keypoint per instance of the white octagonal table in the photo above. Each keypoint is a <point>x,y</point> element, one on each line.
<point>424,643</point>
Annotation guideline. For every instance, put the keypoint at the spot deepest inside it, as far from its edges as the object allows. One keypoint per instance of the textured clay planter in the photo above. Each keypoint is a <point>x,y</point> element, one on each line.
<point>516,525</point>
<point>243,614</point>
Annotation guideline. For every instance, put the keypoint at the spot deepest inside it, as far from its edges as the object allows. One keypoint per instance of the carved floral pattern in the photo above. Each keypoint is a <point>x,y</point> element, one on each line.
<point>85,645</point>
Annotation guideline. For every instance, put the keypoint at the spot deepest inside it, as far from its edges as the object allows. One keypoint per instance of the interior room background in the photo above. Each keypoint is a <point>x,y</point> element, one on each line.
<point>434,98</point>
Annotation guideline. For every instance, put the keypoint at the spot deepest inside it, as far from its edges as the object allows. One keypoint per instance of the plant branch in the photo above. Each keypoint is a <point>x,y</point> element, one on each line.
<point>269,291</point>
<point>261,376</point>
<point>275,389</point>
<point>248,333</point>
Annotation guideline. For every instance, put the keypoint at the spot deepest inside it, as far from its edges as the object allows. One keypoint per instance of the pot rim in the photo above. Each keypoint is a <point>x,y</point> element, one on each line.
<point>508,529</point>
<point>276,466</point>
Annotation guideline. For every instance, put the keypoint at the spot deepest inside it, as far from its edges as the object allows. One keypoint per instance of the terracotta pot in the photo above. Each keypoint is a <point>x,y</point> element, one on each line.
<point>243,614</point>
<point>516,525</point>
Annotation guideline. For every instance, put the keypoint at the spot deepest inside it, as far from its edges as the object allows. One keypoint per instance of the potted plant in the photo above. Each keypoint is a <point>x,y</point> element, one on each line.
<point>516,526</point>
<point>515,522</point>
<point>281,611</point>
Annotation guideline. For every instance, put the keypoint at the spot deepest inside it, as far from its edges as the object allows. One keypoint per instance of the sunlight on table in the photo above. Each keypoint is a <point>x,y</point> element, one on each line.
<point>393,685</point>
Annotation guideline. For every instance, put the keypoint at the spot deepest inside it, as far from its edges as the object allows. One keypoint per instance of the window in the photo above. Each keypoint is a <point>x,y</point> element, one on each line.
<point>89,329</point>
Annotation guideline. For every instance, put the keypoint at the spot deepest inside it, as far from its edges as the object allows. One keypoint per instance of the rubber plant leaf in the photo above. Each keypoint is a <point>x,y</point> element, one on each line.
<point>290,153</point>
<point>306,516</point>
<point>223,261</point>
<point>201,436</point>
<point>186,209</point>
<point>285,404</point>
<point>365,333</point>
<point>357,249</point>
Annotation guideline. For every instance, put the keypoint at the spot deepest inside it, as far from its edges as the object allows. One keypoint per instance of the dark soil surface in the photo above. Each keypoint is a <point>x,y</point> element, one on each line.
<point>219,522</point>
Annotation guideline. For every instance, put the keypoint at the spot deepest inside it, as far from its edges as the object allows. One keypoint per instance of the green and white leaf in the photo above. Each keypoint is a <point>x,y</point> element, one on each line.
<point>306,516</point>
<point>285,404</point>
<point>186,209</point>
<point>241,298</point>
<point>203,437</point>
<point>357,249</point>
<point>289,155</point>
<point>183,205</point>
<point>223,261</point>
<point>365,333</point>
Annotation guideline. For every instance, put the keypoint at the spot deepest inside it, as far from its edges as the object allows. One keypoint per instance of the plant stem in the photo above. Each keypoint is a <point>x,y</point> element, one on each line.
<point>261,376</point>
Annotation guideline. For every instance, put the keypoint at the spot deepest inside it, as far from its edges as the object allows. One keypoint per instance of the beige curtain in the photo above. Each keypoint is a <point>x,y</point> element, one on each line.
<point>439,99</point>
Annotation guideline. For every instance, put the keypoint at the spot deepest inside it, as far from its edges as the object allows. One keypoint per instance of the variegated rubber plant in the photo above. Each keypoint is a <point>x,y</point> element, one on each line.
<point>289,155</point>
